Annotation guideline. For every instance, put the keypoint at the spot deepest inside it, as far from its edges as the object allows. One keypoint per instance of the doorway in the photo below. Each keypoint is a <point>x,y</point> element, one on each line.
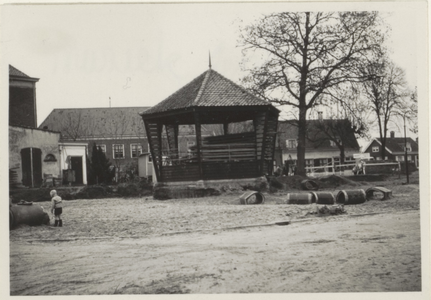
<point>31,163</point>
<point>76,164</point>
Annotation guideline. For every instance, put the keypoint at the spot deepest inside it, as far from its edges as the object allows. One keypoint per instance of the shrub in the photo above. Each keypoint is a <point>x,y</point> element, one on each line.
<point>30,195</point>
<point>92,192</point>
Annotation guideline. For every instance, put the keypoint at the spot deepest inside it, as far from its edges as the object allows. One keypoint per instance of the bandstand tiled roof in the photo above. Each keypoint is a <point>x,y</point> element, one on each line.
<point>209,89</point>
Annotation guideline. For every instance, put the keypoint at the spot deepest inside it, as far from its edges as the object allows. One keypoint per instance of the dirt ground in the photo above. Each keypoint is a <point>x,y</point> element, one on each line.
<point>215,246</point>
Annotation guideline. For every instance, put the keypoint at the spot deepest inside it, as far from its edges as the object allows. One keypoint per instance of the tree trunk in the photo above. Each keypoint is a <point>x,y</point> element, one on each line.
<point>302,123</point>
<point>342,155</point>
<point>302,131</point>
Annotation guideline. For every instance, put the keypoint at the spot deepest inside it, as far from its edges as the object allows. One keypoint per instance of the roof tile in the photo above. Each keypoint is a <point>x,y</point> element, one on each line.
<point>210,89</point>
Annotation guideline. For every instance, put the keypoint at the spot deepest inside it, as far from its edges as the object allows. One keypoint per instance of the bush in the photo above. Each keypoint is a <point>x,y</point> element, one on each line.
<point>129,190</point>
<point>92,192</point>
<point>30,195</point>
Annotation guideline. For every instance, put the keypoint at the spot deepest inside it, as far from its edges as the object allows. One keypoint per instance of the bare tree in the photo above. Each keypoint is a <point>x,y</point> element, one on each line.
<point>74,125</point>
<point>116,129</point>
<point>386,92</point>
<point>413,112</point>
<point>304,55</point>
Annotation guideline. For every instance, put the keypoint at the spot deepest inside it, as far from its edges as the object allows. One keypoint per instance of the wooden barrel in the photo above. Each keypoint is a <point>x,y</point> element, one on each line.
<point>27,214</point>
<point>300,198</point>
<point>348,197</point>
<point>252,197</point>
<point>324,197</point>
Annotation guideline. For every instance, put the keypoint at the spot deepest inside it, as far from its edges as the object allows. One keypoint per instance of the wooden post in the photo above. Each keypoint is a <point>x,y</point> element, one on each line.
<point>152,140</point>
<point>198,142</point>
<point>159,140</point>
<point>265,131</point>
<point>275,138</point>
<point>225,128</point>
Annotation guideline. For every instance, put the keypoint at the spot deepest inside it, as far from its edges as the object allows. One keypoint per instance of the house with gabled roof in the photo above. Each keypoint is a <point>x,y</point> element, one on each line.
<point>395,149</point>
<point>33,153</point>
<point>22,99</point>
<point>212,99</point>
<point>118,131</point>
<point>321,148</point>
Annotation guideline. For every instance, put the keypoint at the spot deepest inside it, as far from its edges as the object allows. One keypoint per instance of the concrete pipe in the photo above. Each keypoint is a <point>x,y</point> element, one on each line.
<point>300,198</point>
<point>309,185</point>
<point>252,197</point>
<point>27,214</point>
<point>324,197</point>
<point>348,197</point>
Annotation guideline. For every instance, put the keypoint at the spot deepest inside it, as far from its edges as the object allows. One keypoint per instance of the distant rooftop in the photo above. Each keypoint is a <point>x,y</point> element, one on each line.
<point>102,122</point>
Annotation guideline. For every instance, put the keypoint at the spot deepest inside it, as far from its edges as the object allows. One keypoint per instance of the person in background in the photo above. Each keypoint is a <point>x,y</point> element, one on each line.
<point>56,208</point>
<point>359,168</point>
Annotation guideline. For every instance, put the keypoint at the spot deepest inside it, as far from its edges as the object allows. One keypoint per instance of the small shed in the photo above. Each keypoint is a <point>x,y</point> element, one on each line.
<point>212,99</point>
<point>145,166</point>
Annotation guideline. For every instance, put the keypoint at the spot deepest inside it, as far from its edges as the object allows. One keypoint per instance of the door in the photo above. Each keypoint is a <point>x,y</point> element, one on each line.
<point>31,164</point>
<point>76,162</point>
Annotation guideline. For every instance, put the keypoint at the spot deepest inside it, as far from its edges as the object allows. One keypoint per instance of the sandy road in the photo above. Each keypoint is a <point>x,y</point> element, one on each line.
<point>347,254</point>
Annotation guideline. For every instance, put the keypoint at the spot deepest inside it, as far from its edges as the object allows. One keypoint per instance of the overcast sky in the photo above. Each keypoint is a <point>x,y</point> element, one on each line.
<point>138,54</point>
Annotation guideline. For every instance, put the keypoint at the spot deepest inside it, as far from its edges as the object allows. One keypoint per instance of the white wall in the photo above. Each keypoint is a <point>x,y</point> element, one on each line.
<point>74,149</point>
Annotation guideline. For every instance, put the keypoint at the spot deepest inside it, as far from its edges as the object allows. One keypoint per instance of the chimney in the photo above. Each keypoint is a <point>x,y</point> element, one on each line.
<point>392,134</point>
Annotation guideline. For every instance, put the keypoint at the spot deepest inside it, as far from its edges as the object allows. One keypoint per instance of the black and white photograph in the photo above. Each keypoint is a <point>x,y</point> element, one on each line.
<point>216,149</point>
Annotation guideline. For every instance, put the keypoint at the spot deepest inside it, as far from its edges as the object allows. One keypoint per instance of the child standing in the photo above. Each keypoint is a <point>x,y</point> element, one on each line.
<point>56,208</point>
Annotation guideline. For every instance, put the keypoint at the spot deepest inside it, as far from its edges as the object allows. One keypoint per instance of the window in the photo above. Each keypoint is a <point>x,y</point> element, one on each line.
<point>118,151</point>
<point>408,147</point>
<point>102,147</point>
<point>323,162</point>
<point>291,144</point>
<point>50,157</point>
<point>135,150</point>
<point>376,149</point>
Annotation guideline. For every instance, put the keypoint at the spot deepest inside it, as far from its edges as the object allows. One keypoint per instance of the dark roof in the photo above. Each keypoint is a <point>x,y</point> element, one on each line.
<point>288,130</point>
<point>100,122</point>
<point>210,89</point>
<point>397,144</point>
<point>15,72</point>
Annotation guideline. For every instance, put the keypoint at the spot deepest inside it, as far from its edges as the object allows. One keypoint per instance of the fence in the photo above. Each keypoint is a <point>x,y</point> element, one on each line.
<point>346,169</point>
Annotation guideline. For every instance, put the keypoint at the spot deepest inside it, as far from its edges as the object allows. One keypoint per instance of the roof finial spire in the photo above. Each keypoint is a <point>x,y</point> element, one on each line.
<point>209,52</point>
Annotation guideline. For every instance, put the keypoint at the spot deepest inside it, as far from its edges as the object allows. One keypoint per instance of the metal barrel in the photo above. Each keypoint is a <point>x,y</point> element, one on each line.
<point>348,197</point>
<point>300,198</point>
<point>324,197</point>
<point>27,214</point>
<point>252,197</point>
